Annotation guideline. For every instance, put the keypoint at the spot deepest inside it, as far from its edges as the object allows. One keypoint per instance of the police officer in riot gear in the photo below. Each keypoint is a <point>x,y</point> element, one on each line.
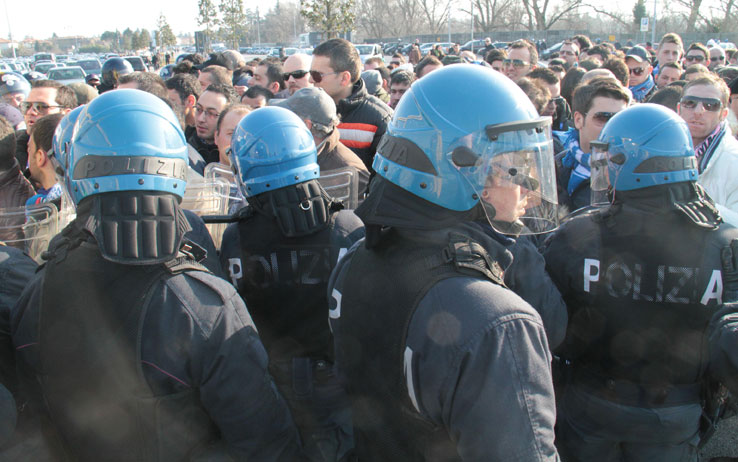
<point>641,277</point>
<point>436,351</point>
<point>112,70</point>
<point>127,345</point>
<point>279,256</point>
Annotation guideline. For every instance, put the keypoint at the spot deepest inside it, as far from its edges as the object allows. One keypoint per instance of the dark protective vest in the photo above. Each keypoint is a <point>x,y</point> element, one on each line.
<point>382,289</point>
<point>90,327</point>
<point>284,285</point>
<point>643,300</point>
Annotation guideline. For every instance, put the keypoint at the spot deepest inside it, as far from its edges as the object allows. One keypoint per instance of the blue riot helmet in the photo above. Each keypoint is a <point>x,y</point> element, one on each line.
<point>62,140</point>
<point>459,149</point>
<point>113,69</point>
<point>126,140</point>
<point>271,148</point>
<point>645,145</point>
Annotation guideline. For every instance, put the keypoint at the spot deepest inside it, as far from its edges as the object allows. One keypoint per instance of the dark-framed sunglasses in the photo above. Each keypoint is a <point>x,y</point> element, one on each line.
<point>519,63</point>
<point>717,58</point>
<point>296,74</point>
<point>318,76</point>
<point>602,117</point>
<point>637,71</point>
<point>710,104</point>
<point>698,58</point>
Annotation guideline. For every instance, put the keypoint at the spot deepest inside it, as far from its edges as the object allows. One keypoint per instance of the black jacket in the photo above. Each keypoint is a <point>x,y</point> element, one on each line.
<point>364,120</point>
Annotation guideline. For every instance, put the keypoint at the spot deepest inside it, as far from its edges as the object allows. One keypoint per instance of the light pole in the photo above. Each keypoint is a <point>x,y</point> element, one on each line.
<point>653,29</point>
<point>471,10</point>
<point>10,34</point>
<point>258,27</point>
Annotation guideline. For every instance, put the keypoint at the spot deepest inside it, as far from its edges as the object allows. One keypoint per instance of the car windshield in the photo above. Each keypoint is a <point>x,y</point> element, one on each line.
<point>137,63</point>
<point>89,65</point>
<point>66,74</point>
<point>44,67</point>
<point>365,49</point>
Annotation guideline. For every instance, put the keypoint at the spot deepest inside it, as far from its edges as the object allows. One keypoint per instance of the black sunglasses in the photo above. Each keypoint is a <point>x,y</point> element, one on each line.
<point>602,117</point>
<point>318,76</point>
<point>296,74</point>
<point>637,71</point>
<point>717,58</point>
<point>710,104</point>
<point>699,58</point>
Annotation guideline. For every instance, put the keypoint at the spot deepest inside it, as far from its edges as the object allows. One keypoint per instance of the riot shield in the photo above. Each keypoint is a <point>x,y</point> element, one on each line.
<point>342,184</point>
<point>32,227</point>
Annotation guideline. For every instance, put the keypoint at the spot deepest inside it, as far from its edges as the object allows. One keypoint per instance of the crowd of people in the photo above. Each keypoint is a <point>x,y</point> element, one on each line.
<point>542,265</point>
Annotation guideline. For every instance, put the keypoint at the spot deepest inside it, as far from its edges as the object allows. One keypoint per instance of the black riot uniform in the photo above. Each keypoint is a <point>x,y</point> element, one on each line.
<point>155,361</point>
<point>280,256</point>
<point>437,351</point>
<point>642,279</point>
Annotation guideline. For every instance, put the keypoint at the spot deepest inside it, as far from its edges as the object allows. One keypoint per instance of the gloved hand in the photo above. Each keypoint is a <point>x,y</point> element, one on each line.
<point>729,258</point>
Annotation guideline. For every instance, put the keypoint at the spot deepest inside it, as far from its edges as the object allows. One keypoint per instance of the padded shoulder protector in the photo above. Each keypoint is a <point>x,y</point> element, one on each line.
<point>300,210</point>
<point>135,227</point>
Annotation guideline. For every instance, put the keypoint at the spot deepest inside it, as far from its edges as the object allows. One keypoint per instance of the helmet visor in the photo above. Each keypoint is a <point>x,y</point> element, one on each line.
<point>600,173</point>
<point>511,169</point>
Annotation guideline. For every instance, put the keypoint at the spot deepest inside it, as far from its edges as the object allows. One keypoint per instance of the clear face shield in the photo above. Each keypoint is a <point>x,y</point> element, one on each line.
<point>599,174</point>
<point>511,168</point>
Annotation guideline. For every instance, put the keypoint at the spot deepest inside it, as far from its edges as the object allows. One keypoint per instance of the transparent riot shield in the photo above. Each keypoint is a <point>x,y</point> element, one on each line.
<point>31,228</point>
<point>213,194</point>
<point>342,184</point>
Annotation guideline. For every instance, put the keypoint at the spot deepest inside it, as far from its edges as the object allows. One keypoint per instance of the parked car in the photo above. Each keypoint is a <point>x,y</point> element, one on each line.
<point>548,52</point>
<point>137,62</point>
<point>67,75</point>
<point>368,50</point>
<point>90,66</point>
<point>44,67</point>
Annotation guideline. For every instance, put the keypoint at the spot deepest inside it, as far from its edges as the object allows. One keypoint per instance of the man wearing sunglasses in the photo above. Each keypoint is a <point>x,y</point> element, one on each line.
<point>296,72</point>
<point>704,106</point>
<point>641,82</point>
<point>46,97</point>
<point>696,54</point>
<point>717,58</point>
<point>336,68</point>
<point>522,58</point>
<point>594,104</point>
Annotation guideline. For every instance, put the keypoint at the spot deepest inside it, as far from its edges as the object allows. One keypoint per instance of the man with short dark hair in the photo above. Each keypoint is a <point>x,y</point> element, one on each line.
<point>14,187</point>
<point>569,51</point>
<point>336,68</point>
<point>213,74</point>
<point>399,84</point>
<point>495,58</point>
<point>268,74</point>
<point>184,91</point>
<point>427,65</point>
<point>396,61</point>
<point>145,81</point>
<point>211,102</point>
<point>668,72</point>
<point>704,106</point>
<point>696,54</point>
<point>256,97</point>
<point>593,105</point>
<point>42,170</point>
<point>670,50</point>
<point>46,97</point>
<point>522,57</point>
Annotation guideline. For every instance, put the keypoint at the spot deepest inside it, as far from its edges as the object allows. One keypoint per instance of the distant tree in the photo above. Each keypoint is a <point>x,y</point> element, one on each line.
<point>207,15</point>
<point>166,36</point>
<point>639,12</point>
<point>233,21</point>
<point>329,16</point>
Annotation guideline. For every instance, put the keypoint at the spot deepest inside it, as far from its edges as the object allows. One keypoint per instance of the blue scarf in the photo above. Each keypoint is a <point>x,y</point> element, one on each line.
<point>575,159</point>
<point>706,148</point>
<point>641,90</point>
<point>45,195</point>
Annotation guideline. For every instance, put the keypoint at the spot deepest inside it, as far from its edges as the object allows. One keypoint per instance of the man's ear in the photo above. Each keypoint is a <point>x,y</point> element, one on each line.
<point>308,123</point>
<point>346,79</point>
<point>190,101</point>
<point>274,87</point>
<point>578,120</point>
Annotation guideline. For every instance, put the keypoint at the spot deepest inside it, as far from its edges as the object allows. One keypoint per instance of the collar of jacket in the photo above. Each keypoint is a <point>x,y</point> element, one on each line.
<point>329,143</point>
<point>358,95</point>
<point>10,175</point>
<point>494,247</point>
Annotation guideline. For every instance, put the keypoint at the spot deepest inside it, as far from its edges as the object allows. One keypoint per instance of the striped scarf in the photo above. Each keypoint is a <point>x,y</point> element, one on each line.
<point>706,148</point>
<point>576,160</point>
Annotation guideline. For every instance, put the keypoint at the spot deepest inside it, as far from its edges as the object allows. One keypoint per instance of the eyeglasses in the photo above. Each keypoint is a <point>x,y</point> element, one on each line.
<point>602,117</point>
<point>637,71</point>
<point>519,63</point>
<point>318,76</point>
<point>296,74</point>
<point>710,104</point>
<point>41,108</point>
<point>717,58</point>
<point>211,113</point>
<point>698,58</point>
